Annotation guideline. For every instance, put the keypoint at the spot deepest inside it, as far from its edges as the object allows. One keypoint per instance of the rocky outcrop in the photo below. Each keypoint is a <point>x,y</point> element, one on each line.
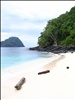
<point>12,42</point>
<point>54,49</point>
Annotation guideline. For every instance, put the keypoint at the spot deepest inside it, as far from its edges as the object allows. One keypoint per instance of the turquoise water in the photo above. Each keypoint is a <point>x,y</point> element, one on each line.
<point>13,56</point>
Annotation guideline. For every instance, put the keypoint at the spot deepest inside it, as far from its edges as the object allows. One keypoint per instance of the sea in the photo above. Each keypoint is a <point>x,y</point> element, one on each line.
<point>12,56</point>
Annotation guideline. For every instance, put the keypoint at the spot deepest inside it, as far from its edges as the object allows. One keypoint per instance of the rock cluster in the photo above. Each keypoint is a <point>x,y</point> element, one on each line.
<point>54,49</point>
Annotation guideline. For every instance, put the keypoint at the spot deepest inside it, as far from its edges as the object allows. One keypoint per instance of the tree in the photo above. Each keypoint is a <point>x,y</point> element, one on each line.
<point>59,31</point>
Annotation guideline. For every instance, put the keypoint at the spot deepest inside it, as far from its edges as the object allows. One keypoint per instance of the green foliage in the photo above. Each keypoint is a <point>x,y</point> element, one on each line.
<point>46,40</point>
<point>68,41</point>
<point>59,31</point>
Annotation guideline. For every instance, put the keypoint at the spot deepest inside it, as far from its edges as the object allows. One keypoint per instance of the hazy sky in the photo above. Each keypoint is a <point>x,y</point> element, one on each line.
<point>26,19</point>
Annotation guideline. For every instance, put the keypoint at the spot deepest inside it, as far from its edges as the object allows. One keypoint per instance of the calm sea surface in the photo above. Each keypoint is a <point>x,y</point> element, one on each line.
<point>13,56</point>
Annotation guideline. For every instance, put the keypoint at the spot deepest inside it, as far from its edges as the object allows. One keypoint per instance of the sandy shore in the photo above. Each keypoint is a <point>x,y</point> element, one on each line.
<point>56,85</point>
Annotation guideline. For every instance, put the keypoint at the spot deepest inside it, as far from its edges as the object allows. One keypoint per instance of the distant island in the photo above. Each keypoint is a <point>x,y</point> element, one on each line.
<point>59,34</point>
<point>12,42</point>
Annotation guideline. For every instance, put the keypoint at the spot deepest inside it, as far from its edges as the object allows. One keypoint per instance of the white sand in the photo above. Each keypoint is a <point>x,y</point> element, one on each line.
<point>56,85</point>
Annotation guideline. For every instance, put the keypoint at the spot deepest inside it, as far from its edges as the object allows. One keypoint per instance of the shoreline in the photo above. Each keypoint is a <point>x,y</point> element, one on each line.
<point>38,61</point>
<point>49,54</point>
<point>41,86</point>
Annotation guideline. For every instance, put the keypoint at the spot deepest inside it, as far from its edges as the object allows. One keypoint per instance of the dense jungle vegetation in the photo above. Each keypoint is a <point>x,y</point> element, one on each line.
<point>59,31</point>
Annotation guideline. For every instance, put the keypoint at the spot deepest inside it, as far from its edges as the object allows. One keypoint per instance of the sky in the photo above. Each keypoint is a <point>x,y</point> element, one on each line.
<point>27,19</point>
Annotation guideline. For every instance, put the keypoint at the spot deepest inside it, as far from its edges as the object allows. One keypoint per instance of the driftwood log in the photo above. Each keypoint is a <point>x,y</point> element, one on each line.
<point>20,83</point>
<point>44,72</point>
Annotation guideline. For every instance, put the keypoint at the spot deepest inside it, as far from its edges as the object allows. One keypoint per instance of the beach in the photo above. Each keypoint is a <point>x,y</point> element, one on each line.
<point>58,84</point>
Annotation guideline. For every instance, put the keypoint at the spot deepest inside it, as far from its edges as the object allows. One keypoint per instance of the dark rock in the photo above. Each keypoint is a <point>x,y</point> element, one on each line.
<point>54,49</point>
<point>44,72</point>
<point>71,51</point>
<point>12,42</point>
<point>70,47</point>
<point>67,67</point>
<point>34,48</point>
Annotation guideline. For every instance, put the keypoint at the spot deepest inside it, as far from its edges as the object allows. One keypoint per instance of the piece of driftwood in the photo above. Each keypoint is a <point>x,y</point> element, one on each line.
<point>20,83</point>
<point>44,72</point>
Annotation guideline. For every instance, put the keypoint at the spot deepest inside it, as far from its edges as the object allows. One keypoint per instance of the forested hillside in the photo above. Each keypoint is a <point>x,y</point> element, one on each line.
<point>12,42</point>
<point>59,31</point>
